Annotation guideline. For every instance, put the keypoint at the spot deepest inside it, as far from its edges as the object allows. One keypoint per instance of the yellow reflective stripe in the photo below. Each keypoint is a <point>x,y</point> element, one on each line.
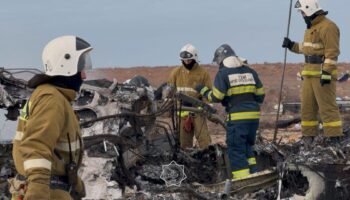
<point>64,146</point>
<point>241,90</point>
<point>186,89</point>
<point>313,45</point>
<point>37,163</point>
<point>251,161</point>
<point>183,113</point>
<point>19,135</point>
<point>217,94</point>
<point>244,115</point>
<point>204,90</point>
<point>23,114</point>
<point>240,173</point>
<point>209,96</point>
<point>309,123</point>
<point>332,124</point>
<point>260,91</point>
<point>310,73</point>
<point>326,77</point>
<point>301,47</point>
<point>330,61</point>
<point>315,73</point>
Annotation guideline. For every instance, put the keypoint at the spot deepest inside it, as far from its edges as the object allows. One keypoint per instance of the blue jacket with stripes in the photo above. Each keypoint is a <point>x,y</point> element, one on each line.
<point>240,90</point>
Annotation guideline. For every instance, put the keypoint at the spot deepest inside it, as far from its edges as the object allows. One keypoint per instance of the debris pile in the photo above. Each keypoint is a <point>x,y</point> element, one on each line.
<point>7,168</point>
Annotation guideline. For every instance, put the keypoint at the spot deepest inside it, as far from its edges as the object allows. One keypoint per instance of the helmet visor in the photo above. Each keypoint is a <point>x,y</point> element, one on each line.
<point>84,62</point>
<point>185,55</point>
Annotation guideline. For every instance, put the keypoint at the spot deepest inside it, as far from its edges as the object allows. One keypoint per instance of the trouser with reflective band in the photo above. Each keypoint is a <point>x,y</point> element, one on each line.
<point>316,98</point>
<point>240,140</point>
<point>200,131</point>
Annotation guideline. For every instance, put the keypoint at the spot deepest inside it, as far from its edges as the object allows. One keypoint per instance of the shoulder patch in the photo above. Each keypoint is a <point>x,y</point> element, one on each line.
<point>241,79</point>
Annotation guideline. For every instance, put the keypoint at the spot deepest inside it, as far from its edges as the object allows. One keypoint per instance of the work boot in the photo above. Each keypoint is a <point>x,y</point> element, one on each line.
<point>334,141</point>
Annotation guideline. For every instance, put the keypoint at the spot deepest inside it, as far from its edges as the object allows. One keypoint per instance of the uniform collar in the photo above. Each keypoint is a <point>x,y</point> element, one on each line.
<point>69,94</point>
<point>318,19</point>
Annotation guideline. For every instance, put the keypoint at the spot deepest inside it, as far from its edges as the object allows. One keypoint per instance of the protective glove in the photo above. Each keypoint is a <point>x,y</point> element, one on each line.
<point>201,89</point>
<point>287,43</point>
<point>325,78</point>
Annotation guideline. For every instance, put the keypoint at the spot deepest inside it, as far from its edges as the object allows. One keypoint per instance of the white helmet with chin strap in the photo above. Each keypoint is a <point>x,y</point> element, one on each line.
<point>309,7</point>
<point>189,52</point>
<point>66,56</point>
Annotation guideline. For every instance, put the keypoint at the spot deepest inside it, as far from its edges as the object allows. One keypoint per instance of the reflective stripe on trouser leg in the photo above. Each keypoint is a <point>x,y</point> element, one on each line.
<point>253,127</point>
<point>251,161</point>
<point>201,131</point>
<point>186,138</point>
<point>240,173</point>
<point>329,111</point>
<point>253,168</point>
<point>309,108</point>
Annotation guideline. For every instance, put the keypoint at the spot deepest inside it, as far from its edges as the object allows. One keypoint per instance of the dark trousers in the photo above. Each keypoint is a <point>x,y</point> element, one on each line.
<point>240,139</point>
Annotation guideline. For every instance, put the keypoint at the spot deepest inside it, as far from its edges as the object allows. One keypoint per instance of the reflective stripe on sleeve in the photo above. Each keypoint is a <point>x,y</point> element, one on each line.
<point>37,163</point>
<point>260,91</point>
<point>19,135</point>
<point>313,45</point>
<point>186,89</point>
<point>209,96</point>
<point>204,90</point>
<point>217,94</point>
<point>301,47</point>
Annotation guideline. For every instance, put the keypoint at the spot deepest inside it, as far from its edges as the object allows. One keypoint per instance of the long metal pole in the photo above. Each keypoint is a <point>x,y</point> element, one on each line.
<point>284,69</point>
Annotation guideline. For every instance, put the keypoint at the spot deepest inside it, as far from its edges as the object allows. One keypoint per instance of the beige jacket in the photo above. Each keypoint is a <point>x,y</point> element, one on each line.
<point>321,39</point>
<point>41,144</point>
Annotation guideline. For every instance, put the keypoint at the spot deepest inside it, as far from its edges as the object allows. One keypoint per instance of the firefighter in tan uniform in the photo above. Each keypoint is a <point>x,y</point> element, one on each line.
<point>47,148</point>
<point>321,50</point>
<point>184,79</point>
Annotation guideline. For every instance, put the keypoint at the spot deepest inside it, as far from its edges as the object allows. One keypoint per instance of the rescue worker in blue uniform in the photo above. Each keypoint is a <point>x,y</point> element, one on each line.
<point>241,92</point>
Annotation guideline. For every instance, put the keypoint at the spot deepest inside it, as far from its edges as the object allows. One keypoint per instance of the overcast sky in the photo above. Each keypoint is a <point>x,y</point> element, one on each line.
<point>127,33</point>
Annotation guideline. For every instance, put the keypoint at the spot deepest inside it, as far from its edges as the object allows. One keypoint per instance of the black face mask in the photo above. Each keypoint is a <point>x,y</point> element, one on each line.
<point>307,21</point>
<point>68,82</point>
<point>190,65</point>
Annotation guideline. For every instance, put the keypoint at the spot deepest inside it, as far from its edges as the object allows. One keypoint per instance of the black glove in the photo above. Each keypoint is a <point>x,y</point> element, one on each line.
<point>325,78</point>
<point>201,89</point>
<point>287,43</point>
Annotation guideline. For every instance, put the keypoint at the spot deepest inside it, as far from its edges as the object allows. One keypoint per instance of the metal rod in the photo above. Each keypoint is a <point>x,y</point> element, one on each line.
<point>284,69</point>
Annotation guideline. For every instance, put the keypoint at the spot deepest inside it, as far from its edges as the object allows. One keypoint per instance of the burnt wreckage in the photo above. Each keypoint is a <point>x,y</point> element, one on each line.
<point>132,150</point>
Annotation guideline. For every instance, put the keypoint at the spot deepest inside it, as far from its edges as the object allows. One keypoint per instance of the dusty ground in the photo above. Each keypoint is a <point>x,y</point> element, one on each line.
<point>270,74</point>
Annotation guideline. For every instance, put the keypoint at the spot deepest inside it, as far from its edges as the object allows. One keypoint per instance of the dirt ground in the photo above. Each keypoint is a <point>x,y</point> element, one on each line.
<point>270,74</point>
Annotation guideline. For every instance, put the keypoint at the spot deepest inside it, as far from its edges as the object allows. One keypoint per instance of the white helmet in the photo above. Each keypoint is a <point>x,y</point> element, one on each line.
<point>66,55</point>
<point>309,7</point>
<point>189,52</point>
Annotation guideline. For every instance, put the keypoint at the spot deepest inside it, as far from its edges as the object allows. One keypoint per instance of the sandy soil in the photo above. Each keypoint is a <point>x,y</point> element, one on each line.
<point>270,74</point>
